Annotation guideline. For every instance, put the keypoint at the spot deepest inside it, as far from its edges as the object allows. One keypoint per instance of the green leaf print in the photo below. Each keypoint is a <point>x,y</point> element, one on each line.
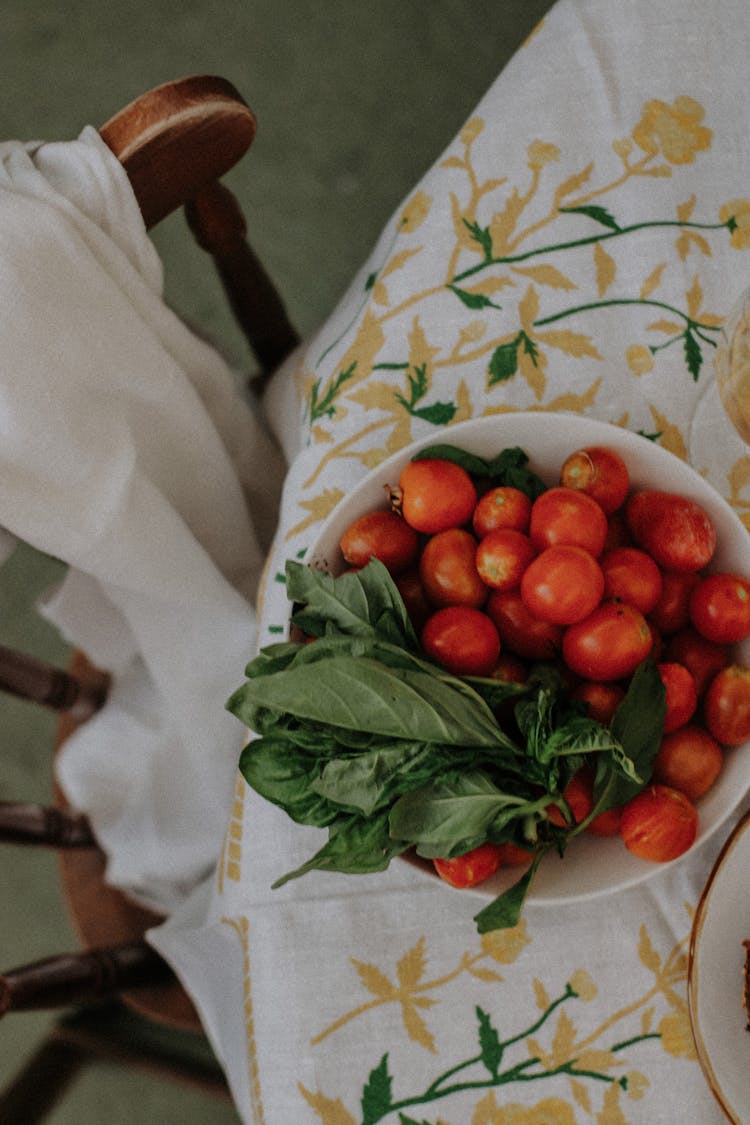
<point>376,1096</point>
<point>693,355</point>
<point>489,1043</point>
<point>474,300</point>
<point>600,214</point>
<point>504,362</point>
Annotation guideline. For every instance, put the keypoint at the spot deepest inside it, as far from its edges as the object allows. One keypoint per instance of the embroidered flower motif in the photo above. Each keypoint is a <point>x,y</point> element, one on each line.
<point>541,153</point>
<point>640,359</point>
<point>471,130</point>
<point>673,131</point>
<point>736,215</point>
<point>676,1037</point>
<point>583,985</point>
<point>415,212</point>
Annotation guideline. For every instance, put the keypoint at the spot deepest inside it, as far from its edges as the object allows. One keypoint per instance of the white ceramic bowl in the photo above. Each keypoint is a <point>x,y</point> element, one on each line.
<point>591,866</point>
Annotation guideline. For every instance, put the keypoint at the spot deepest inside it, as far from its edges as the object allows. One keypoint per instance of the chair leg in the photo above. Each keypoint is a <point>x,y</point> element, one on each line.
<point>22,822</point>
<point>39,1085</point>
<point>218,226</point>
<point>78,978</point>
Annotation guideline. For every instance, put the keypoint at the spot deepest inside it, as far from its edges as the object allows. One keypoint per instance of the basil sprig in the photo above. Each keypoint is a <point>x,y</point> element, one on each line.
<point>360,734</point>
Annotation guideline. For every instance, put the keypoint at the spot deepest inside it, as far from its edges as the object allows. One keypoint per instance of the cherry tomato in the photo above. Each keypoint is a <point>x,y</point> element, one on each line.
<point>578,794</point>
<point>600,473</point>
<point>510,668</point>
<point>682,694</point>
<point>726,705</point>
<point>520,631</point>
<point>675,530</point>
<point>562,584</point>
<point>471,868</point>
<point>609,644</point>
<point>607,823</point>
<point>632,576</point>
<point>563,516</point>
<point>383,535</point>
<point>418,606</point>
<point>602,700</point>
<point>436,495</point>
<point>672,610</point>
<point>514,854</point>
<point>503,506</point>
<point>659,824</point>
<point>720,608</point>
<point>448,572</point>
<point>617,532</point>
<point>463,640</point>
<point>702,658</point>
<point>502,556</point>
<point>688,759</point>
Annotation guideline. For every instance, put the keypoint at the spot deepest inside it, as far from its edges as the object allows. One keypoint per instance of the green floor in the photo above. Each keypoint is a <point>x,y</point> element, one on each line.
<point>354,100</point>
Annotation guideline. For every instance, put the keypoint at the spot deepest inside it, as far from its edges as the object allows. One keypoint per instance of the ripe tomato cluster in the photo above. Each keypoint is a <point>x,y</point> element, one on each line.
<point>593,575</point>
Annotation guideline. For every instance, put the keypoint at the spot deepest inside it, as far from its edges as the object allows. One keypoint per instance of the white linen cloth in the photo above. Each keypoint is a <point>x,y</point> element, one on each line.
<point>128,451</point>
<point>576,247</point>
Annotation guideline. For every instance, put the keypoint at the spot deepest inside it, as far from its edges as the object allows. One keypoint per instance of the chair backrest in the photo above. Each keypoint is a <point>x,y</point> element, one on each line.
<point>175,142</point>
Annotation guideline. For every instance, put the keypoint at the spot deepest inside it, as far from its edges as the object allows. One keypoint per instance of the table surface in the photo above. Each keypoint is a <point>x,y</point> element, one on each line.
<point>577,247</point>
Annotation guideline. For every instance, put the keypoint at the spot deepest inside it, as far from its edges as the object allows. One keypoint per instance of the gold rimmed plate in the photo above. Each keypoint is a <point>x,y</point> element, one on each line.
<point>716,972</point>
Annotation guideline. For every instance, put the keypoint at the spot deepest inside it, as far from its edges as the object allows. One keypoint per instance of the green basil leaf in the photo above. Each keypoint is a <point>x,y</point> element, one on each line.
<point>281,775</point>
<point>510,468</point>
<point>356,845</point>
<point>363,694</point>
<point>441,451</point>
<point>365,602</point>
<point>638,726</point>
<point>505,911</point>
<point>445,820</point>
<point>367,781</point>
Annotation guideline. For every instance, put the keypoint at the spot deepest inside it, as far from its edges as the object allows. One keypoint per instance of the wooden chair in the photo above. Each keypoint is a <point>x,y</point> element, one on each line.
<point>174,142</point>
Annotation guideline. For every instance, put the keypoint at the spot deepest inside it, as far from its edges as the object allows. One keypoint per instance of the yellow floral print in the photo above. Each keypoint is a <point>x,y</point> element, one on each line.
<point>589,1062</point>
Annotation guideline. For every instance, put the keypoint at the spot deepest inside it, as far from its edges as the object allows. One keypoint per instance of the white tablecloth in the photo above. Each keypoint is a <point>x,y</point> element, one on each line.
<point>576,248</point>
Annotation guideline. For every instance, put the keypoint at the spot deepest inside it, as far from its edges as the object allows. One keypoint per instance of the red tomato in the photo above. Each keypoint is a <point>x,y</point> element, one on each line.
<point>418,606</point>
<point>520,631</point>
<point>448,572</point>
<point>726,705</point>
<point>675,530</point>
<point>617,532</point>
<point>511,668</point>
<point>563,516</point>
<point>562,585</point>
<point>688,759</point>
<point>602,700</point>
<point>600,473</point>
<point>632,576</point>
<point>463,640</point>
<point>578,794</point>
<point>502,556</point>
<point>609,644</point>
<point>682,694</point>
<point>436,495</point>
<point>381,535</point>
<point>702,658</point>
<point>471,868</point>
<point>501,507</point>
<point>607,823</point>
<point>672,610</point>
<point>659,824</point>
<point>720,608</point>
<point>514,855</point>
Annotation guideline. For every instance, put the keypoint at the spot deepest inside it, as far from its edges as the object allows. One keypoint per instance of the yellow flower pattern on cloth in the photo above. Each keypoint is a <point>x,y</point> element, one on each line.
<point>576,1064</point>
<point>560,282</point>
<point>529,299</point>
